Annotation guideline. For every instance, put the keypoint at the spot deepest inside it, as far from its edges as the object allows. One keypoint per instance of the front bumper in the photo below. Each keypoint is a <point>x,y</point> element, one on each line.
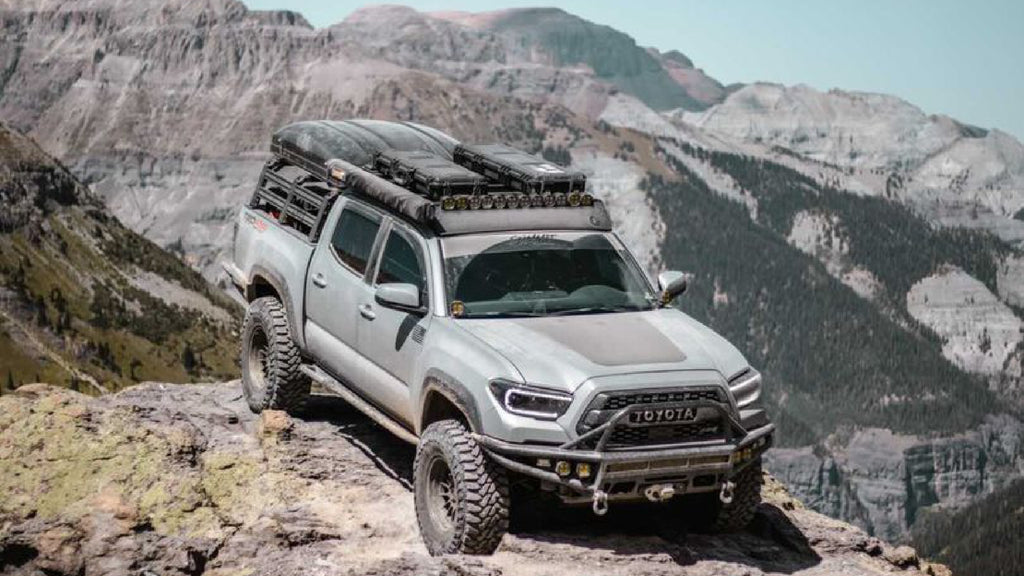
<point>624,473</point>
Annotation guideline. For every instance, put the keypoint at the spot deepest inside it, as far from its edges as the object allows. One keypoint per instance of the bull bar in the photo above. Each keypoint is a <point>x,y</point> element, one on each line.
<point>700,457</point>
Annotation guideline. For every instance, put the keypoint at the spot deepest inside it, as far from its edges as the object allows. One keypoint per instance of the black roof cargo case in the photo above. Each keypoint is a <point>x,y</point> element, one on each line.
<point>428,174</point>
<point>518,170</point>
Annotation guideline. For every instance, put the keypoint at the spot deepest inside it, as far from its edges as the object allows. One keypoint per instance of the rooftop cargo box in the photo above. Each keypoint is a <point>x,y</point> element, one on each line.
<point>309,145</point>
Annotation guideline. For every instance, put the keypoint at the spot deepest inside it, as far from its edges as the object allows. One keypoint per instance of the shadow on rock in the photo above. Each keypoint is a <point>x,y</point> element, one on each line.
<point>392,456</point>
<point>772,543</point>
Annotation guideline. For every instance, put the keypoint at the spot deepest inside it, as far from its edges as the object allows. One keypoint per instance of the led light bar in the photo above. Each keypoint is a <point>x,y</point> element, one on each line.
<point>513,200</point>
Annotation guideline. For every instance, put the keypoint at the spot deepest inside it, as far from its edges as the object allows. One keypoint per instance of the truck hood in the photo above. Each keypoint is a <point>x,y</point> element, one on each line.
<point>563,352</point>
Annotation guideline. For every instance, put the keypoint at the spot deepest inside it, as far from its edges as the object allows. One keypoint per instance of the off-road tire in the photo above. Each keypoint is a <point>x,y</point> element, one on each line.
<point>715,516</point>
<point>475,515</point>
<point>271,379</point>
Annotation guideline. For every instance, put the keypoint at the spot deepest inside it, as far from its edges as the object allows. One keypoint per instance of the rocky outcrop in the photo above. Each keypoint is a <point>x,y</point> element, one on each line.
<point>980,334</point>
<point>822,236</point>
<point>882,481</point>
<point>31,183</point>
<point>169,479</point>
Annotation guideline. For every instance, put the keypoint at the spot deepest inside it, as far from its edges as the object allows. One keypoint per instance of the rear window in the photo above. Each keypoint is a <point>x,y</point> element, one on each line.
<point>353,238</point>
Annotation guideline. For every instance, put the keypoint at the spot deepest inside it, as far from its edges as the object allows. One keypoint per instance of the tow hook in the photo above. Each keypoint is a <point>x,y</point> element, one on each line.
<point>726,495</point>
<point>659,492</point>
<point>600,502</point>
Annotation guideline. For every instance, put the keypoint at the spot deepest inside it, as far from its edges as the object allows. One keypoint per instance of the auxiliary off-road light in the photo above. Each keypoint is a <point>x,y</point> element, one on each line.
<point>514,201</point>
<point>563,468</point>
<point>528,400</point>
<point>583,470</point>
<point>742,455</point>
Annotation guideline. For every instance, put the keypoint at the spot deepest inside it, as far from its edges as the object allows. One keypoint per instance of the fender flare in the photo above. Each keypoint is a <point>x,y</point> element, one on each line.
<point>281,287</point>
<point>455,392</point>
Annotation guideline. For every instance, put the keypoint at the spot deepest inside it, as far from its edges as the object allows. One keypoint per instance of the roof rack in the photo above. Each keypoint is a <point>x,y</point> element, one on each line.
<point>295,197</point>
<point>423,175</point>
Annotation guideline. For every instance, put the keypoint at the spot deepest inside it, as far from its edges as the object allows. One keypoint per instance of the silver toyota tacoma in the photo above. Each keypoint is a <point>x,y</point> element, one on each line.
<point>474,301</point>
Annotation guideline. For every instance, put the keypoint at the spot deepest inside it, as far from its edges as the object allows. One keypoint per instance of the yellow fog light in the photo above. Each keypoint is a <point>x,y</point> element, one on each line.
<point>583,470</point>
<point>742,455</point>
<point>563,468</point>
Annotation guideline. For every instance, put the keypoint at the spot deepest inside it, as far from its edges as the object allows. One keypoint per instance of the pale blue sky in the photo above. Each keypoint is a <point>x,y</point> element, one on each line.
<point>965,58</point>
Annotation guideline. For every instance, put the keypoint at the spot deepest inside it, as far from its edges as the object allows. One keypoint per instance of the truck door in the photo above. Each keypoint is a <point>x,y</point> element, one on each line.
<point>393,338</point>
<point>336,285</point>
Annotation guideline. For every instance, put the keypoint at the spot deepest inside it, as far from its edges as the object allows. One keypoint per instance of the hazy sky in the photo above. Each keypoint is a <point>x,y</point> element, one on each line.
<point>961,58</point>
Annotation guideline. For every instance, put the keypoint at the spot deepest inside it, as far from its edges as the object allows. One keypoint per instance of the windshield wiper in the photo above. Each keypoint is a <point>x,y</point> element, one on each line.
<point>595,310</point>
<point>508,314</point>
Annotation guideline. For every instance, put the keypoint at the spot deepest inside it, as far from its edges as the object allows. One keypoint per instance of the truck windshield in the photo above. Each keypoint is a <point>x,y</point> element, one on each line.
<point>541,275</point>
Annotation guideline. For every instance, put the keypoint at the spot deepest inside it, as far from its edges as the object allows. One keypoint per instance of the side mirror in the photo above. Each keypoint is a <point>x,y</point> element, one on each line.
<point>399,296</point>
<point>672,284</point>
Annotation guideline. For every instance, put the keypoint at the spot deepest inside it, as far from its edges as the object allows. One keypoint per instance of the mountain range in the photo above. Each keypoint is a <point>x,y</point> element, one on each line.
<point>865,254</point>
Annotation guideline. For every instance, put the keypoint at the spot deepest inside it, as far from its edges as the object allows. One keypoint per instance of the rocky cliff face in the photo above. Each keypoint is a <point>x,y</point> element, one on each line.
<point>170,479</point>
<point>882,481</point>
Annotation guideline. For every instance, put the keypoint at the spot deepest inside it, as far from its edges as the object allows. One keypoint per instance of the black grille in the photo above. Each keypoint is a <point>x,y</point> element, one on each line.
<point>654,435</point>
<point>606,405</point>
<point>620,401</point>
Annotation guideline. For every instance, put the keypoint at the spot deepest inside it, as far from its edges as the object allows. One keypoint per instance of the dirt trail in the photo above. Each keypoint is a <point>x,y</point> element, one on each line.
<point>167,479</point>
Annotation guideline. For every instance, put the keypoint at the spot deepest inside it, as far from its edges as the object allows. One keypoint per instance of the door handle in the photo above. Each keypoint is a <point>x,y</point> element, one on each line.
<point>319,280</point>
<point>366,311</point>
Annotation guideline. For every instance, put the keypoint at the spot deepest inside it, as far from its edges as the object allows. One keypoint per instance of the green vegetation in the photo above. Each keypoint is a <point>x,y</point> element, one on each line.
<point>887,238</point>
<point>69,284</point>
<point>987,537</point>
<point>833,358</point>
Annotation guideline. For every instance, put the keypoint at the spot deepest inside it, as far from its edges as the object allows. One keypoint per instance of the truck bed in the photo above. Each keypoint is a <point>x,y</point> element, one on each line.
<point>270,255</point>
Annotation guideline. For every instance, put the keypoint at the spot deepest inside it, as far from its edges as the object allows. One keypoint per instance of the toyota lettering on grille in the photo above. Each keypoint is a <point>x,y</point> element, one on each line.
<point>662,416</point>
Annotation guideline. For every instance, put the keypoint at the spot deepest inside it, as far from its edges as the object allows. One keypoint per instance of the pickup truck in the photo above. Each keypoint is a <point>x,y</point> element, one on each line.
<point>506,332</point>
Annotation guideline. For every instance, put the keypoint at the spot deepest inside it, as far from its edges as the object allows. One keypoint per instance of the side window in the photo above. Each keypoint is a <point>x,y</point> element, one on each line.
<point>353,238</point>
<point>401,262</point>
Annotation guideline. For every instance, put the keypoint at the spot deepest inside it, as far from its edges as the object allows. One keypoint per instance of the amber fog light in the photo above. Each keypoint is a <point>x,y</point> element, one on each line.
<point>583,470</point>
<point>563,468</point>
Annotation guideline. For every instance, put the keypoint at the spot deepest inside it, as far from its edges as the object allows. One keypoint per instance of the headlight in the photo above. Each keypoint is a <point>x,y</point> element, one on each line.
<point>746,387</point>
<point>531,401</point>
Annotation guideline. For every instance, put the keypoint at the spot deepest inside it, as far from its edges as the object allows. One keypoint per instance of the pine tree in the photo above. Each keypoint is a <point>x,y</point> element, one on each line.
<point>188,358</point>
